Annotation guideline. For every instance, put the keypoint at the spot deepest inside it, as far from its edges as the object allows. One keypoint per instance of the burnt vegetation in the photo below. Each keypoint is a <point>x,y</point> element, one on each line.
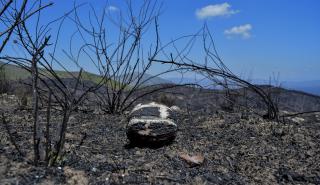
<point>63,124</point>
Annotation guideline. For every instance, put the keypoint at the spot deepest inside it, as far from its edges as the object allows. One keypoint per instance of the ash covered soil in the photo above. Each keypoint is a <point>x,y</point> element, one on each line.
<point>236,150</point>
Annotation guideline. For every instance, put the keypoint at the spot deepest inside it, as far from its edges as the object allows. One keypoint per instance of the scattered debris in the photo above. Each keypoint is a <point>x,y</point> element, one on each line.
<point>297,119</point>
<point>192,160</point>
<point>75,177</point>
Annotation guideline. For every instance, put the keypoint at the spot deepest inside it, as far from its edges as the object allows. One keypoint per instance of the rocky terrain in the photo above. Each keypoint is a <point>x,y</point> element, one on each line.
<point>236,149</point>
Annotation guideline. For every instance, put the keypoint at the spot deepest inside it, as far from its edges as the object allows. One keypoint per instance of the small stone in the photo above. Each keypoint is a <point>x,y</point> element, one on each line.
<point>94,169</point>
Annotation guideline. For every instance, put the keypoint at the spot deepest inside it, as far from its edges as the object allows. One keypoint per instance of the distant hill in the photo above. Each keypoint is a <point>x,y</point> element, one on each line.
<point>153,81</point>
<point>14,72</point>
<point>294,100</point>
<point>312,86</point>
<point>211,100</point>
<point>203,82</point>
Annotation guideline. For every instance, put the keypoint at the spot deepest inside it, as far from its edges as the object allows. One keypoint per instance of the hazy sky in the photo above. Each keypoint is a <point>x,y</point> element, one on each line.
<point>255,38</point>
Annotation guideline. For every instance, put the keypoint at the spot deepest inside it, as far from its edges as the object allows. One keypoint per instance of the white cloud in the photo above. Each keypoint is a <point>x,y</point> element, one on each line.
<point>113,8</point>
<point>242,30</point>
<point>223,9</point>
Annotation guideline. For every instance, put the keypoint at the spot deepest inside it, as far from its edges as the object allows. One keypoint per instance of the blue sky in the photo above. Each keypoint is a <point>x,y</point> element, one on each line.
<point>284,36</point>
<point>255,38</point>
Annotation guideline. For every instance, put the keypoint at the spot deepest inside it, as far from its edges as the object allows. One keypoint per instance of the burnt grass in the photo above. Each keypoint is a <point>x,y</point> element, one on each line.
<point>237,149</point>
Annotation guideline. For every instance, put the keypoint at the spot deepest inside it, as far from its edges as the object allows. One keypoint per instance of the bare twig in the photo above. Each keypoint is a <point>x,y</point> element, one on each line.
<point>12,139</point>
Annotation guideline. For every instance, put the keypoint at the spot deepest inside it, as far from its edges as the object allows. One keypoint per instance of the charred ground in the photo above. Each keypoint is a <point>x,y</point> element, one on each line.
<point>237,149</point>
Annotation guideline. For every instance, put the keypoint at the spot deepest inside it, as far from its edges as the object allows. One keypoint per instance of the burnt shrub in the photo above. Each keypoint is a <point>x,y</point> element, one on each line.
<point>4,82</point>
